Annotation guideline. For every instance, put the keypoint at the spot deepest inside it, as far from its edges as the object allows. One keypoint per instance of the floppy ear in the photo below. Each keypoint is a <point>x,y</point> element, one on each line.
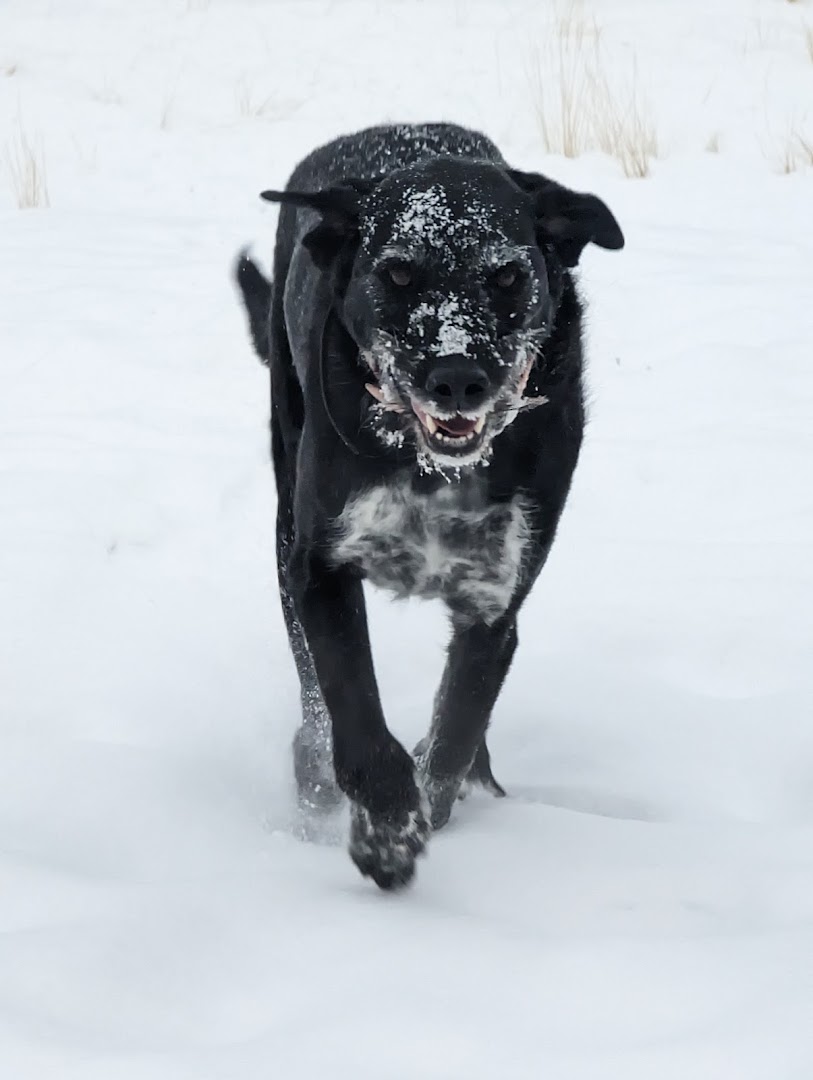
<point>340,209</point>
<point>569,219</point>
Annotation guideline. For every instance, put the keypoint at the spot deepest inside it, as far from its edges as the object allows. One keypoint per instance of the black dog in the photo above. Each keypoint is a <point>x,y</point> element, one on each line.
<point>424,337</point>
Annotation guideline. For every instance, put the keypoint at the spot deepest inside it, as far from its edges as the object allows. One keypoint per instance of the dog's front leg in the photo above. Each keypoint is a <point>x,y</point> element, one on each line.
<point>479,658</point>
<point>388,826</point>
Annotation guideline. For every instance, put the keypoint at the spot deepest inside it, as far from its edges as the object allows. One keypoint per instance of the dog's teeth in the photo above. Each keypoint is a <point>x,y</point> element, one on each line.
<point>455,440</point>
<point>478,427</point>
<point>431,426</point>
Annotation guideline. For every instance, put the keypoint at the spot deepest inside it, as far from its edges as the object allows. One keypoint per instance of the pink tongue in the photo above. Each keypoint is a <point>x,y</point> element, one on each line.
<point>458,425</point>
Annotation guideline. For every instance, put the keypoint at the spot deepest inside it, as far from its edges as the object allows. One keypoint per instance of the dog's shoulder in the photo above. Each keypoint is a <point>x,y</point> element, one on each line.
<point>451,541</point>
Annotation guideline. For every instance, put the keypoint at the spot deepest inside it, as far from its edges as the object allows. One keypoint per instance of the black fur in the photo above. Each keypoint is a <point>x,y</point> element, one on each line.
<point>257,297</point>
<point>414,261</point>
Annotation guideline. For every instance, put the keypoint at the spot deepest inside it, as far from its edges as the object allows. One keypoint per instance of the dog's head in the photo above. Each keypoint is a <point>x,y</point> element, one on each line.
<point>448,274</point>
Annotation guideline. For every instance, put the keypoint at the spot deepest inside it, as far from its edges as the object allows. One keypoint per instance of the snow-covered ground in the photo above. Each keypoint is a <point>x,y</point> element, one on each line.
<point>642,906</point>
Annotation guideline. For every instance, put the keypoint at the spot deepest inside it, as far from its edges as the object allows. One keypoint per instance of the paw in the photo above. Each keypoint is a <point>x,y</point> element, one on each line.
<point>441,791</point>
<point>385,848</point>
<point>388,823</point>
<point>480,773</point>
<point>441,794</point>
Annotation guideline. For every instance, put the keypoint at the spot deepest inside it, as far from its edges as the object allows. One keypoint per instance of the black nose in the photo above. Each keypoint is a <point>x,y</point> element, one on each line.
<point>457,384</point>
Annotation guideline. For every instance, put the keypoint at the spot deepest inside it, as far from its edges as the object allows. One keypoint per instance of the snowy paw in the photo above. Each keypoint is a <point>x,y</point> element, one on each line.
<point>480,773</point>
<point>385,848</point>
<point>441,791</point>
<point>441,794</point>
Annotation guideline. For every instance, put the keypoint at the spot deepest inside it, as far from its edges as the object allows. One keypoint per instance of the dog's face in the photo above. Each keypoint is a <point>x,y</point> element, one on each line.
<point>447,275</point>
<point>447,296</point>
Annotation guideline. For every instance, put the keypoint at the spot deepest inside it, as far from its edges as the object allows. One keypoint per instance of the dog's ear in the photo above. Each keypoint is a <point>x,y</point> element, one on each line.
<point>568,219</point>
<point>340,209</point>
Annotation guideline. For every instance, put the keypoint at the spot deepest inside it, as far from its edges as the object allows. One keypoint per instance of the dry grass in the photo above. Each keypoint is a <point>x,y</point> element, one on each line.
<point>272,107</point>
<point>804,146</point>
<point>165,117</point>
<point>797,152</point>
<point>808,32</point>
<point>761,36</point>
<point>713,143</point>
<point>624,127</point>
<point>25,163</point>
<point>105,93</point>
<point>88,157</point>
<point>563,120</point>
<point>8,70</point>
<point>248,103</point>
<point>580,107</point>
<point>573,23</point>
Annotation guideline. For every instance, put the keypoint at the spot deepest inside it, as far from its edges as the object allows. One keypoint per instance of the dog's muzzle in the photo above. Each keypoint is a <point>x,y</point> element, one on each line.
<point>451,434</point>
<point>457,414</point>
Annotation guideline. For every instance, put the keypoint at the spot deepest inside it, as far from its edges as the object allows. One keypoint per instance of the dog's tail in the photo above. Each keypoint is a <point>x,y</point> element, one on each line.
<point>256,292</point>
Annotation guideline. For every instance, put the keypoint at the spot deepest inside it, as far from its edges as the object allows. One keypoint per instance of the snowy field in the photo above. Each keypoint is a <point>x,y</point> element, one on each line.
<point>642,906</point>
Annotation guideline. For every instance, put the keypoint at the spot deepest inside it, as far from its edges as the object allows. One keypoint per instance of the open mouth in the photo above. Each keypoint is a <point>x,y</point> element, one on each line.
<point>447,436</point>
<point>450,435</point>
<point>456,436</point>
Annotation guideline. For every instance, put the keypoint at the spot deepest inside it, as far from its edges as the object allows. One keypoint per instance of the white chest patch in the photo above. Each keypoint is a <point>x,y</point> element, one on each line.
<point>451,544</point>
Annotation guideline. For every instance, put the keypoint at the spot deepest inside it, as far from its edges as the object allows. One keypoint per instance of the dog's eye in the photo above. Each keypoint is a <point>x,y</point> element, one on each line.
<point>400,274</point>
<point>506,277</point>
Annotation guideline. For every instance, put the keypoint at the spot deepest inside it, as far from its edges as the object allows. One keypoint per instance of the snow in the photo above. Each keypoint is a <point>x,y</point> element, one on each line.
<point>642,905</point>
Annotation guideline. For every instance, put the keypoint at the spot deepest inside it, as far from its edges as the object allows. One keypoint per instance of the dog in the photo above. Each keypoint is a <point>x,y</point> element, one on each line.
<point>424,337</point>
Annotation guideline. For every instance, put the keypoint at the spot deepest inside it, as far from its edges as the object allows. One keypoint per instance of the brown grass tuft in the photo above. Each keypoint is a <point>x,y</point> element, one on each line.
<point>579,107</point>
<point>248,104</point>
<point>624,127</point>
<point>797,152</point>
<point>25,163</point>
<point>168,104</point>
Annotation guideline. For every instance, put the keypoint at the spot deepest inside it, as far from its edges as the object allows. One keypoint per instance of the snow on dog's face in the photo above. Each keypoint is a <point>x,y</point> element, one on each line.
<point>448,298</point>
<point>447,275</point>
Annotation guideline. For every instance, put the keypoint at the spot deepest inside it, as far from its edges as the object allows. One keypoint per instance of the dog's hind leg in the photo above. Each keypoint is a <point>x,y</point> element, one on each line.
<point>455,749</point>
<point>317,789</point>
<point>480,772</point>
